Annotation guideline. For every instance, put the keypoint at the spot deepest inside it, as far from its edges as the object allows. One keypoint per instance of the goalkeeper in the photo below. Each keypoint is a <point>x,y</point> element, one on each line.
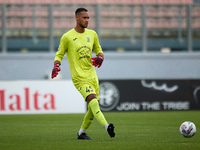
<point>78,44</point>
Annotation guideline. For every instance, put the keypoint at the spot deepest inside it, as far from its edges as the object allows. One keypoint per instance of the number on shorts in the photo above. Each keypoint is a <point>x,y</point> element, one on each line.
<point>89,89</point>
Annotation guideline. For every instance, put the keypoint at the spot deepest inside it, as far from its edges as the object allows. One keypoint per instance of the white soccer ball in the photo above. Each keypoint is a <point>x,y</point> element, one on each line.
<point>188,129</point>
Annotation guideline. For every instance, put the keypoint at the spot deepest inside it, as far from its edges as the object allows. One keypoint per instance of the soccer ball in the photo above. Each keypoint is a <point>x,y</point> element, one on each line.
<point>188,129</point>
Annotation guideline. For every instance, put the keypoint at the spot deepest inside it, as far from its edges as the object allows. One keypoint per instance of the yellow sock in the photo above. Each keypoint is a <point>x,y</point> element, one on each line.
<point>94,105</point>
<point>87,119</point>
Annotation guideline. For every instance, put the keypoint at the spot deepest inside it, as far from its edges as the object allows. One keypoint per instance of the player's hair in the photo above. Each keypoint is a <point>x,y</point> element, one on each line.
<point>79,10</point>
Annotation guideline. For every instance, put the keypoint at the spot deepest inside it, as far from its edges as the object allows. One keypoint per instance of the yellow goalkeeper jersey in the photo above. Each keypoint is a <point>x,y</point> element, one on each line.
<point>78,47</point>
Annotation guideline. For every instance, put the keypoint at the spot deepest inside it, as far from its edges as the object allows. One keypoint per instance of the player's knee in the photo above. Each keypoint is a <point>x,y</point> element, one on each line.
<point>90,97</point>
<point>94,105</point>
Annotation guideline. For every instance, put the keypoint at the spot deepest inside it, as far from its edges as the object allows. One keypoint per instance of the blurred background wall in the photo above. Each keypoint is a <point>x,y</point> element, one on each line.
<point>138,34</point>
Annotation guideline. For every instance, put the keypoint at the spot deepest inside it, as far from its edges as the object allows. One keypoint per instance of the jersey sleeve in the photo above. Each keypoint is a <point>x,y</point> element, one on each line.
<point>62,49</point>
<point>96,47</point>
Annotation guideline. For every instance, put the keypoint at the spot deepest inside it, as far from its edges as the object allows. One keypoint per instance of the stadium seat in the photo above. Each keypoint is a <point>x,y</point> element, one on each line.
<point>13,23</point>
<point>27,24</point>
<point>111,16</point>
<point>42,24</point>
<point>102,1</point>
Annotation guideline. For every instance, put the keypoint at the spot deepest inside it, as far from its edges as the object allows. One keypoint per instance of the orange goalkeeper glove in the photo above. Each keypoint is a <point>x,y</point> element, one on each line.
<point>97,61</point>
<point>55,70</point>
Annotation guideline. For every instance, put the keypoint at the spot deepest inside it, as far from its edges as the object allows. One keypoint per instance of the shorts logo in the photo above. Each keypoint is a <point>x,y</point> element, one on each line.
<point>108,96</point>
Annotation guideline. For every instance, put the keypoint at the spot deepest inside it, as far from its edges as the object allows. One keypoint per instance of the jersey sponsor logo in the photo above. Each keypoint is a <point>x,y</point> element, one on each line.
<point>84,52</point>
<point>108,96</point>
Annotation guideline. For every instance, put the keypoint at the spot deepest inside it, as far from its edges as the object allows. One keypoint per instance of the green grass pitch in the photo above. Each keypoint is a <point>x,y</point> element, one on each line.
<point>158,130</point>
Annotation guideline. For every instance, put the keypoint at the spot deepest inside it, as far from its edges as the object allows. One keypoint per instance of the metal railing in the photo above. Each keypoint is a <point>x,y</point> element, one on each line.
<point>132,24</point>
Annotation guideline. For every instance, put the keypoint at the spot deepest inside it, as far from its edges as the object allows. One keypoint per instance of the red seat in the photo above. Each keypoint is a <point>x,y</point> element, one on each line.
<point>27,24</point>
<point>64,24</point>
<point>43,24</point>
<point>99,1</point>
<point>111,15</point>
<point>13,23</point>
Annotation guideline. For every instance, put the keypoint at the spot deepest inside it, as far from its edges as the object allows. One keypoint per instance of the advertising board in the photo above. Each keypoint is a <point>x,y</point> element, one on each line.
<point>145,95</point>
<point>40,97</point>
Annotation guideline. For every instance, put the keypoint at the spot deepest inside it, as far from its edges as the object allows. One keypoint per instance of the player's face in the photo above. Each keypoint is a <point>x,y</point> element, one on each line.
<point>83,19</point>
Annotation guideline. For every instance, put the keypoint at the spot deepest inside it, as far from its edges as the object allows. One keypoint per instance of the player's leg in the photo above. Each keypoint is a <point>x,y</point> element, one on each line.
<point>84,88</point>
<point>87,119</point>
<point>109,127</point>
<point>86,123</point>
<point>94,105</point>
<point>90,94</point>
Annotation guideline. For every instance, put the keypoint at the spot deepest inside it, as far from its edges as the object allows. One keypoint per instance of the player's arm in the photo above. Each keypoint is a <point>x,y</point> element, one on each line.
<point>97,61</point>
<point>57,62</point>
<point>59,56</point>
